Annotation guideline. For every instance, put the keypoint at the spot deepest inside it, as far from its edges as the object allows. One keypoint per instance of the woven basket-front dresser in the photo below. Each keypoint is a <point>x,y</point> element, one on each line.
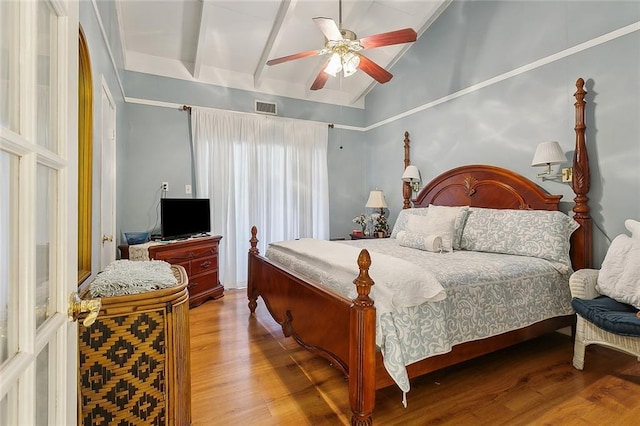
<point>134,359</point>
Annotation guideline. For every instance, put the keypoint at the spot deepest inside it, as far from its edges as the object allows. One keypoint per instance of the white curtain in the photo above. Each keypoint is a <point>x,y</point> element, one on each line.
<point>262,171</point>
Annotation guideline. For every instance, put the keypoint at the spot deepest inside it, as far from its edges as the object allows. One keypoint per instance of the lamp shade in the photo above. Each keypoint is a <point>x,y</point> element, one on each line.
<point>376,200</point>
<point>411,174</point>
<point>548,153</point>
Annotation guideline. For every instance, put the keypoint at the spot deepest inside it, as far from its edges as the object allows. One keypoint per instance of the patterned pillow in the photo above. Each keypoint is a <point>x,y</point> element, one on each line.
<point>403,216</point>
<point>420,241</point>
<point>536,233</point>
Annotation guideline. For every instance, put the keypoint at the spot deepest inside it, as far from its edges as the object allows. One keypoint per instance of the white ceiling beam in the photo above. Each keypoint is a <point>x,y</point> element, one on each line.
<point>202,39</point>
<point>285,6</point>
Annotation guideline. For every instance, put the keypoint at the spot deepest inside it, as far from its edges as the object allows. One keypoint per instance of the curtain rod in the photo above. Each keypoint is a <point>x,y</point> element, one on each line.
<point>188,108</point>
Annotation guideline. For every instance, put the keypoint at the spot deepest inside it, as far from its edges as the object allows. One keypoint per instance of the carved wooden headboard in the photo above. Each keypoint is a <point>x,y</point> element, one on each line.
<point>485,186</point>
<point>495,187</point>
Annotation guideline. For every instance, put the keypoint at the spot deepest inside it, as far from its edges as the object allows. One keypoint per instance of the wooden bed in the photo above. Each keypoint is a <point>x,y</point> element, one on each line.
<point>343,330</point>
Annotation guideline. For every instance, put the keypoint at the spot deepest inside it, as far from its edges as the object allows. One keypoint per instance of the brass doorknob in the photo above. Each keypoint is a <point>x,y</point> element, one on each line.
<point>78,306</point>
<point>107,238</point>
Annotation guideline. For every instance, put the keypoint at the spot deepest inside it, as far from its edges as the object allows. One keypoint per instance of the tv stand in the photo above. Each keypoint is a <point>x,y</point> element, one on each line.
<point>199,257</point>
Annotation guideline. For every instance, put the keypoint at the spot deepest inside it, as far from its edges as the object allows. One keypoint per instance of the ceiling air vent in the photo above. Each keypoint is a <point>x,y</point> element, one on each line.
<point>266,108</point>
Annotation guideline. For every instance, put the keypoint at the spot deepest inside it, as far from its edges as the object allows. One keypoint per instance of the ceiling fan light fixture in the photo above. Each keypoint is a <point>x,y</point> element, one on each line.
<point>344,46</point>
<point>350,63</point>
<point>334,66</point>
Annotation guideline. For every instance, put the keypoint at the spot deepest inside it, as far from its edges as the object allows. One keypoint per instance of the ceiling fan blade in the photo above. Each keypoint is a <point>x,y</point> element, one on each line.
<point>374,70</point>
<point>386,39</point>
<point>294,56</point>
<point>329,28</point>
<point>320,80</point>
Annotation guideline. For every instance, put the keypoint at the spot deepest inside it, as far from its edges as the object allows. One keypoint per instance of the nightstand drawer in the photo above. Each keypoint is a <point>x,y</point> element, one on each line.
<point>204,264</point>
<point>177,256</point>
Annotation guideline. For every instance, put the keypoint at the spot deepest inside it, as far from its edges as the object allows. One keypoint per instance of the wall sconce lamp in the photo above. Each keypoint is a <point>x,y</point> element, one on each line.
<point>376,201</point>
<point>412,175</point>
<point>548,154</point>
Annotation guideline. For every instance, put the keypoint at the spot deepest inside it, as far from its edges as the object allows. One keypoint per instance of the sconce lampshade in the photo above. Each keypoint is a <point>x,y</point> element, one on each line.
<point>376,200</point>
<point>411,174</point>
<point>548,153</point>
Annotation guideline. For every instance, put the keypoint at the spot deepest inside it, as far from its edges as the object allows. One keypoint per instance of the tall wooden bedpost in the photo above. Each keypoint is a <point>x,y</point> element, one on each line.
<point>581,240</point>
<point>406,187</point>
<point>362,348</point>
<point>253,251</point>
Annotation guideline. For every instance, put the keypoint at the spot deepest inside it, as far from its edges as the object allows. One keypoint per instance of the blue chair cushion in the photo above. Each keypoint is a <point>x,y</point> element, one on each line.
<point>609,315</point>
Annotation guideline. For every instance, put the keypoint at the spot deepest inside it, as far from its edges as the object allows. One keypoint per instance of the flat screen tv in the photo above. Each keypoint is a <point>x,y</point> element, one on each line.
<point>184,217</point>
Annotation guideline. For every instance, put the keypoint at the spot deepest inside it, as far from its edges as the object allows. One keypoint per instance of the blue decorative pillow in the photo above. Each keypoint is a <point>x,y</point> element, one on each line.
<point>609,315</point>
<point>536,233</point>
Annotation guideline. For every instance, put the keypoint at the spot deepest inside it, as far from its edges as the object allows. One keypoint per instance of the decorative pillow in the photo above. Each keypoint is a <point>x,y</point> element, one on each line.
<point>619,276</point>
<point>457,215</point>
<point>420,241</point>
<point>403,216</point>
<point>633,226</point>
<point>536,233</point>
<point>434,224</point>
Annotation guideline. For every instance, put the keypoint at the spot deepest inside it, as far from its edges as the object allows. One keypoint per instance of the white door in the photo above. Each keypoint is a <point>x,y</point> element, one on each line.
<point>108,177</point>
<point>38,211</point>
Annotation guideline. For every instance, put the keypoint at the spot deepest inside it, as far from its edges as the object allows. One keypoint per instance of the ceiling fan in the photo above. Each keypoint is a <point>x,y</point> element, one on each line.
<point>344,49</point>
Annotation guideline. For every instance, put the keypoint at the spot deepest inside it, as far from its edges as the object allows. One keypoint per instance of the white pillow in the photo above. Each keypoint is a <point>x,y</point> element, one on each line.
<point>456,214</point>
<point>402,222</point>
<point>619,276</point>
<point>420,241</point>
<point>437,225</point>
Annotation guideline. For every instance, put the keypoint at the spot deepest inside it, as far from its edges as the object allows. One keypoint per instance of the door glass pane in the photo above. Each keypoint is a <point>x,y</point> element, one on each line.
<point>9,81</point>
<point>42,387</point>
<point>9,408</point>
<point>46,76</point>
<point>4,417</point>
<point>46,193</point>
<point>8,255</point>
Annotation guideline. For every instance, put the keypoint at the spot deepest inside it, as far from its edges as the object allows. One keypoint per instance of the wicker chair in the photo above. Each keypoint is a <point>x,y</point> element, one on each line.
<point>583,290</point>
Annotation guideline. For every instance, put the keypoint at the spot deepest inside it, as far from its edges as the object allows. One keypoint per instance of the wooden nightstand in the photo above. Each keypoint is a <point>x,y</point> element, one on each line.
<point>199,257</point>
<point>365,237</point>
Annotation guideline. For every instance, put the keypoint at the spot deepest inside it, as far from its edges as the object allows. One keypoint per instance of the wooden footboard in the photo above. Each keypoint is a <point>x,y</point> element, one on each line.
<point>298,305</point>
<point>327,324</point>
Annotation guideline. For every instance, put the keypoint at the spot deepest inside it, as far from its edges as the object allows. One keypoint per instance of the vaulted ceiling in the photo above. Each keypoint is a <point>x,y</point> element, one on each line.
<point>228,42</point>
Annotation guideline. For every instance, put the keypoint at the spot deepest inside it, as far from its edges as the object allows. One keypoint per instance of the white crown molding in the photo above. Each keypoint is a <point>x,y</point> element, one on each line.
<point>509,74</point>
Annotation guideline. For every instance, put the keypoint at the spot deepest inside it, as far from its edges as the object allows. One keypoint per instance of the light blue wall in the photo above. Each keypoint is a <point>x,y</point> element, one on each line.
<point>158,145</point>
<point>502,123</point>
<point>102,67</point>
<point>158,88</point>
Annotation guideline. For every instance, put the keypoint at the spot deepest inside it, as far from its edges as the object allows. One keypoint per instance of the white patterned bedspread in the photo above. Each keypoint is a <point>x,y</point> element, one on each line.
<point>487,294</point>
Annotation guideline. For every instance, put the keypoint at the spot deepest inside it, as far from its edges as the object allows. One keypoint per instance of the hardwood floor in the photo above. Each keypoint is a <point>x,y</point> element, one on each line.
<point>244,371</point>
